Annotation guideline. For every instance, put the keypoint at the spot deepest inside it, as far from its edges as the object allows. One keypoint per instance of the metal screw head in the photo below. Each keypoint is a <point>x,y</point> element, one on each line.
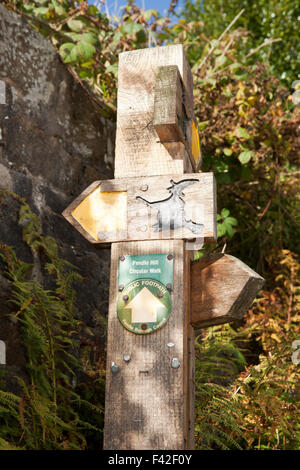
<point>126,357</point>
<point>121,287</point>
<point>144,187</point>
<point>122,258</point>
<point>175,363</point>
<point>144,326</point>
<point>125,297</point>
<point>114,368</point>
<point>169,286</point>
<point>160,295</point>
<point>169,257</point>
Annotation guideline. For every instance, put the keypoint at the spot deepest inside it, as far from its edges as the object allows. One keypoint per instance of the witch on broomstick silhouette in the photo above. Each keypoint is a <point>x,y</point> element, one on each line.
<point>171,210</point>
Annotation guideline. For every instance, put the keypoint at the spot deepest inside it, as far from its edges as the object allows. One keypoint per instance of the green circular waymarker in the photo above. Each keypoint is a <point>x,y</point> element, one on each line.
<point>144,306</point>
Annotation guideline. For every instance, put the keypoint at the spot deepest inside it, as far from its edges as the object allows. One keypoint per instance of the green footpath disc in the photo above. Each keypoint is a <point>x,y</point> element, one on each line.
<point>144,306</point>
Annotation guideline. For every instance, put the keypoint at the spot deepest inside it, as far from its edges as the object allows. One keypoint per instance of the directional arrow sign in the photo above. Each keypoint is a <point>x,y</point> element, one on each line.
<point>181,206</point>
<point>222,290</point>
<point>144,306</point>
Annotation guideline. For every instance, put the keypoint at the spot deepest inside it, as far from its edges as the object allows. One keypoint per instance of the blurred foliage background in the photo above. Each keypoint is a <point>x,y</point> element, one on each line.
<point>245,63</point>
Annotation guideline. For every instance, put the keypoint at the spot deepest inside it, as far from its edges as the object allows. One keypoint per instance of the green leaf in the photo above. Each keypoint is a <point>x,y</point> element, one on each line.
<point>202,125</point>
<point>214,43</point>
<point>227,152</point>
<point>141,36</point>
<point>221,60</point>
<point>112,68</point>
<point>235,66</point>
<point>231,221</point>
<point>85,50</point>
<point>74,36</point>
<point>84,73</point>
<point>210,81</point>
<point>89,37</point>
<point>241,77</point>
<point>132,28</point>
<point>66,52</point>
<point>229,229</point>
<point>242,133</point>
<point>221,230</point>
<point>149,13</point>
<point>59,10</point>
<point>117,37</point>
<point>93,10</point>
<point>225,213</point>
<point>41,11</point>
<point>75,25</point>
<point>245,157</point>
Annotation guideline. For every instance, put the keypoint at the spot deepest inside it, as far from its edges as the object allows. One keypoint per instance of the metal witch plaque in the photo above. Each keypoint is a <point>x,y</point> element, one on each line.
<point>145,281</point>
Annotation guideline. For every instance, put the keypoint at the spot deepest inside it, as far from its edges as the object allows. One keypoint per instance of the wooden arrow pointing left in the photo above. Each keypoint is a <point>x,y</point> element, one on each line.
<point>113,210</point>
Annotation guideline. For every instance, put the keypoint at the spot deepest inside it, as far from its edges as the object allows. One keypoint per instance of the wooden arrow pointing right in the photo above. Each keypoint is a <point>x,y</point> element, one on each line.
<point>222,290</point>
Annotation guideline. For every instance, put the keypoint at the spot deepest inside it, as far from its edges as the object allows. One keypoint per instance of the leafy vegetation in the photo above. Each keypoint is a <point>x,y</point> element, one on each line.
<point>247,385</point>
<point>52,411</point>
<point>273,23</point>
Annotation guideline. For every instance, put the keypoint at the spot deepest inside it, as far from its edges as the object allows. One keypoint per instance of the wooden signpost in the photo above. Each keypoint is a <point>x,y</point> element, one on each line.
<point>154,207</point>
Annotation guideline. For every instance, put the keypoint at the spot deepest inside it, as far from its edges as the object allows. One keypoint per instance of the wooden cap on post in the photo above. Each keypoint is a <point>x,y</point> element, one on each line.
<point>222,290</point>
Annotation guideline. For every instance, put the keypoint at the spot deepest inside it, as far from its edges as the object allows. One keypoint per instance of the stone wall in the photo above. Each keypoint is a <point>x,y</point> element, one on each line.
<point>53,143</point>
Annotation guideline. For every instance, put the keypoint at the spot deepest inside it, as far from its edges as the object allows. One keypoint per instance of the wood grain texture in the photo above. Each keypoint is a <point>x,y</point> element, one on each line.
<point>138,147</point>
<point>168,105</point>
<point>173,111</point>
<point>222,290</point>
<point>146,401</point>
<point>149,405</point>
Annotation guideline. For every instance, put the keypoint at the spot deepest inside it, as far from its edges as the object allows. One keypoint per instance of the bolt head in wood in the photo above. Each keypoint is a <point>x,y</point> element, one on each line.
<point>144,326</point>
<point>175,363</point>
<point>126,357</point>
<point>170,257</point>
<point>144,187</point>
<point>169,286</point>
<point>122,258</point>
<point>121,287</point>
<point>114,368</point>
<point>125,298</point>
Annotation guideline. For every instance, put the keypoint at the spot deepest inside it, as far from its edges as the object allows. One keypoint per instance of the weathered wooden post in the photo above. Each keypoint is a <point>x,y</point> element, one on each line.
<point>148,212</point>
